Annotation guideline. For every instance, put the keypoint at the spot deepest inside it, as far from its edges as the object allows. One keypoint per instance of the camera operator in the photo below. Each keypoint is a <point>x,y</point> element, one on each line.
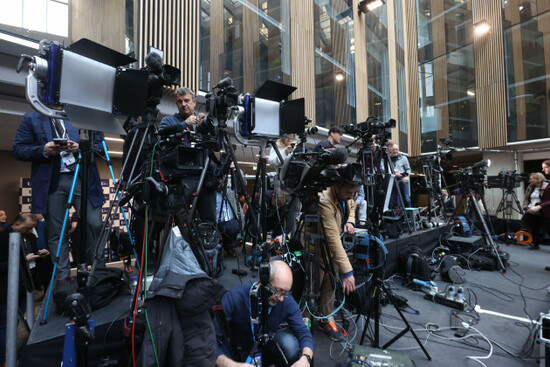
<point>53,165</point>
<point>402,170</point>
<point>337,210</point>
<point>335,135</point>
<point>296,343</point>
<point>188,118</point>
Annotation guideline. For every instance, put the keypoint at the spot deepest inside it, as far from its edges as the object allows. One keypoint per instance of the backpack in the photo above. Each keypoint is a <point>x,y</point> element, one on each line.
<point>104,287</point>
<point>414,265</point>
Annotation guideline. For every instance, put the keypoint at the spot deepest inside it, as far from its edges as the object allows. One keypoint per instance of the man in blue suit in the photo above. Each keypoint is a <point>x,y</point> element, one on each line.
<point>52,172</point>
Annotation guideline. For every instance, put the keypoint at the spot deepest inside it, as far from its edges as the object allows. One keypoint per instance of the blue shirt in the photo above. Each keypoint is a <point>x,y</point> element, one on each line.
<point>236,307</point>
<point>227,213</point>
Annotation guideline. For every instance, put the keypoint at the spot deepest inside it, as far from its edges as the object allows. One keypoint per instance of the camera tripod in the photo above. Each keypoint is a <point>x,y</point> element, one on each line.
<point>378,286</point>
<point>471,198</point>
<point>506,205</point>
<point>315,246</point>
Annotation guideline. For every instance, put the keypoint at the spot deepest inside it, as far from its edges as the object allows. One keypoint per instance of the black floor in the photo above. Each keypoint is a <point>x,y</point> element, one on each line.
<point>522,292</point>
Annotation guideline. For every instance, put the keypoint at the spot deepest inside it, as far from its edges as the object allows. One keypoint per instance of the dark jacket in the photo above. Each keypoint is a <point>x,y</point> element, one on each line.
<point>545,202</point>
<point>236,308</point>
<point>178,302</point>
<point>32,134</point>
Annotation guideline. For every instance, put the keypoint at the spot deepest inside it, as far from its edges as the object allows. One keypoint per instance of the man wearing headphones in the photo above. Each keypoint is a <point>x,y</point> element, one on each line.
<point>296,343</point>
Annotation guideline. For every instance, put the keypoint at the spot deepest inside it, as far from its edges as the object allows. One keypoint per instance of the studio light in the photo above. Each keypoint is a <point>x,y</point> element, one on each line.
<point>482,27</point>
<point>369,5</point>
<point>339,77</point>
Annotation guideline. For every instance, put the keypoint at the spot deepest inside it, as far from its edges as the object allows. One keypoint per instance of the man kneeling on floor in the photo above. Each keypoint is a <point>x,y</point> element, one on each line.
<point>295,341</point>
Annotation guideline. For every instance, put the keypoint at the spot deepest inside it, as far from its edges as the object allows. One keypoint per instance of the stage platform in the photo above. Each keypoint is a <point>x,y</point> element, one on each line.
<point>522,290</point>
<point>44,347</point>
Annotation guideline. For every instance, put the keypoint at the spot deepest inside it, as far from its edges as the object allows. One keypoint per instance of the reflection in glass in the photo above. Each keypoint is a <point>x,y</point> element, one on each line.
<point>446,73</point>
<point>334,54</point>
<point>401,87</point>
<point>266,25</point>
<point>377,63</point>
<point>527,79</point>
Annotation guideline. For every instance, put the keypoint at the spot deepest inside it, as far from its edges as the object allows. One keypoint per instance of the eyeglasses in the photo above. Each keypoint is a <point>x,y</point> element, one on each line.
<point>279,292</point>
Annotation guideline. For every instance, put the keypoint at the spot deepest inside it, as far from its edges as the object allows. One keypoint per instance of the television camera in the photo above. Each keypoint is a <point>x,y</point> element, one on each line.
<point>472,179</point>
<point>506,180</point>
<point>372,130</point>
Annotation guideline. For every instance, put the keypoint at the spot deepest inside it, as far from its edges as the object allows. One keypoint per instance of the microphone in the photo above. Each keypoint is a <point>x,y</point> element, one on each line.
<point>154,62</point>
<point>171,130</point>
<point>225,82</point>
<point>334,156</point>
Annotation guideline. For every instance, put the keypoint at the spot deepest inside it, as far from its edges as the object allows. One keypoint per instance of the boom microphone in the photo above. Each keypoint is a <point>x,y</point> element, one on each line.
<point>334,156</point>
<point>154,62</point>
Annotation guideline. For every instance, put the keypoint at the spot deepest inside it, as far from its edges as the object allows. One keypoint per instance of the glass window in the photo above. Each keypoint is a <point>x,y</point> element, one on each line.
<point>401,87</point>
<point>48,16</point>
<point>377,63</point>
<point>446,73</point>
<point>270,51</point>
<point>527,74</point>
<point>334,62</point>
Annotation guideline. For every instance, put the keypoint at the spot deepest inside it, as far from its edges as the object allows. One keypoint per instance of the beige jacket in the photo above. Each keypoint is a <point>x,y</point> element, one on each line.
<point>331,213</point>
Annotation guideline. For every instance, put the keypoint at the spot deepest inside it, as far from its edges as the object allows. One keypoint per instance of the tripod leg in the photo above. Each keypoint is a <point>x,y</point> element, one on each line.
<point>404,331</point>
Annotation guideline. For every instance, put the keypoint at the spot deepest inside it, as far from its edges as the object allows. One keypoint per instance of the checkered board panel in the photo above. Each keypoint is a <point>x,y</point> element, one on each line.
<point>25,193</point>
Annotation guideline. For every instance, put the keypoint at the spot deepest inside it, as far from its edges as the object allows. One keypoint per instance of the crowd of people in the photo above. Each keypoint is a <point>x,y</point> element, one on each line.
<point>341,207</point>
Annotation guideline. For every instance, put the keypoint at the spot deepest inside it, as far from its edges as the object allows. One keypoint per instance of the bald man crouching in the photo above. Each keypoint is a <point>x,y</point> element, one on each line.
<point>296,341</point>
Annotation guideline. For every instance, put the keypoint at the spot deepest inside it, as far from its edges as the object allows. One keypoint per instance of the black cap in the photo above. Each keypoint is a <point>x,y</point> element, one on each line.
<point>351,174</point>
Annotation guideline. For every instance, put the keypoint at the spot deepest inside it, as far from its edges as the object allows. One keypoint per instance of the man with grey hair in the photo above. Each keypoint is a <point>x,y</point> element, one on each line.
<point>186,116</point>
<point>296,342</point>
<point>186,102</point>
<point>402,171</point>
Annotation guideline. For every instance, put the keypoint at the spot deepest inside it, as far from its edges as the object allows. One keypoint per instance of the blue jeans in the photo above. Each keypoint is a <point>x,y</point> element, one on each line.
<point>289,346</point>
<point>394,200</point>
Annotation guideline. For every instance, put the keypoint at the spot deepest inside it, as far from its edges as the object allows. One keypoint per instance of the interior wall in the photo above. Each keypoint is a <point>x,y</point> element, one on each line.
<point>14,170</point>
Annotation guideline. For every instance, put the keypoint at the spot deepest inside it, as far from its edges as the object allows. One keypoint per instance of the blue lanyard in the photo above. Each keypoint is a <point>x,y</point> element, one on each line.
<point>259,313</point>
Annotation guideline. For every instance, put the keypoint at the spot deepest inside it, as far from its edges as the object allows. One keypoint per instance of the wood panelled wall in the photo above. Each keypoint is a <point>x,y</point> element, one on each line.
<point>490,77</point>
<point>173,27</point>
<point>302,53</point>
<point>411,77</point>
<point>101,21</point>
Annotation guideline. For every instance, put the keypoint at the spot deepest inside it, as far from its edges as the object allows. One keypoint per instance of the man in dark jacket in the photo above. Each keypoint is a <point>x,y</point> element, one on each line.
<point>297,346</point>
<point>52,174</point>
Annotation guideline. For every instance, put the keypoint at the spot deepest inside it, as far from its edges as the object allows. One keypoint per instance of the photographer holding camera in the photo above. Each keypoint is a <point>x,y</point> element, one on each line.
<point>337,210</point>
<point>52,146</point>
<point>189,119</point>
<point>296,343</point>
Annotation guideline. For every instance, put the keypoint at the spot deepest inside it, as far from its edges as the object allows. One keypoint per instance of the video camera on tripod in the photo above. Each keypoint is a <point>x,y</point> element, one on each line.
<point>506,180</point>
<point>373,129</point>
<point>472,179</point>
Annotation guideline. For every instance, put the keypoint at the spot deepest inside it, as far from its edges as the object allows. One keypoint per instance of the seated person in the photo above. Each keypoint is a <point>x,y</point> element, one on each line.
<point>229,215</point>
<point>533,197</point>
<point>296,343</point>
<point>448,203</point>
<point>280,213</point>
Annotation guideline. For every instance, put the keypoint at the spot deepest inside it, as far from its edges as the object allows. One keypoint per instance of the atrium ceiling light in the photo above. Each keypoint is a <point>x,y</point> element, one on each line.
<point>339,77</point>
<point>369,5</point>
<point>482,27</point>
